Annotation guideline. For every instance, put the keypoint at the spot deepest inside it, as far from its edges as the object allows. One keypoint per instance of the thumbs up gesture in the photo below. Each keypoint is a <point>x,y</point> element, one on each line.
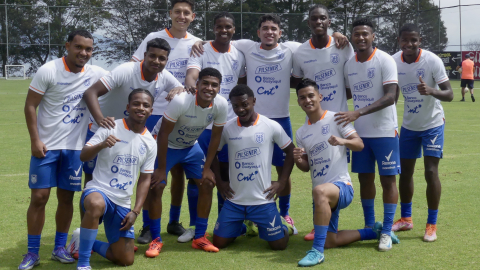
<point>423,88</point>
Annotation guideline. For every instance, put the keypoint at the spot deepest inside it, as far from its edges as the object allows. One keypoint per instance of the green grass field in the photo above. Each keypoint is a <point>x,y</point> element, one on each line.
<point>456,247</point>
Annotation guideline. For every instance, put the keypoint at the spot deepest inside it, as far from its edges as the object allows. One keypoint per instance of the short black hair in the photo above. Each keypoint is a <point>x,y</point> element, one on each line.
<point>408,27</point>
<point>320,6</point>
<point>240,90</point>
<point>467,55</point>
<point>306,83</point>
<point>363,21</point>
<point>209,71</point>
<point>140,90</point>
<point>80,32</point>
<point>269,17</point>
<point>159,43</point>
<point>224,14</point>
<point>190,2</point>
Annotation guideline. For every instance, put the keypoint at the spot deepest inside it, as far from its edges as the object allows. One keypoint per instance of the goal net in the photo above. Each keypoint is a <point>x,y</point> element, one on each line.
<point>15,72</point>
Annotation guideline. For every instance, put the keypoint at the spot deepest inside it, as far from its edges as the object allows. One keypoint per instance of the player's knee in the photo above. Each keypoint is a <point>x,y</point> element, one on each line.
<point>94,208</point>
<point>431,174</point>
<point>39,199</point>
<point>319,195</point>
<point>279,246</point>
<point>206,186</point>
<point>125,260</point>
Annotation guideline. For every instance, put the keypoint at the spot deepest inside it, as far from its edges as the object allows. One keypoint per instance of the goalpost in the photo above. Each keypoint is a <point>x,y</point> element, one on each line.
<point>15,72</point>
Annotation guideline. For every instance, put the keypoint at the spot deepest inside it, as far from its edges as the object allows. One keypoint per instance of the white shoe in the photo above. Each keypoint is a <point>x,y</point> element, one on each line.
<point>72,248</point>
<point>385,242</point>
<point>187,236</point>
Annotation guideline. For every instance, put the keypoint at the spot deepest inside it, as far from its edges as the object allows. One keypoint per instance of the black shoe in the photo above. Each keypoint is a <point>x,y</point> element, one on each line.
<point>473,98</point>
<point>463,99</point>
<point>175,228</point>
<point>145,236</point>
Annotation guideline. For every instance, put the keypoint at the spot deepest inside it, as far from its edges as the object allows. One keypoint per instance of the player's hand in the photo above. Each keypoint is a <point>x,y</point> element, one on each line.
<point>197,49</point>
<point>423,88</point>
<point>110,141</point>
<point>39,149</point>
<point>107,122</point>
<point>175,91</point>
<point>341,41</point>
<point>191,89</point>
<point>346,117</point>
<point>273,190</point>
<point>334,141</point>
<point>298,154</point>
<point>157,178</point>
<point>225,190</point>
<point>207,175</point>
<point>128,221</point>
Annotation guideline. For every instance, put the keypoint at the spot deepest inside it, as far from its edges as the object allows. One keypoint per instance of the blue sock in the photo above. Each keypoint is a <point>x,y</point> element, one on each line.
<point>100,248</point>
<point>367,234</point>
<point>87,238</point>
<point>432,216</point>
<point>192,195</point>
<point>406,209</point>
<point>155,227</point>
<point>220,201</point>
<point>200,227</point>
<point>284,204</point>
<point>60,239</point>
<point>320,236</point>
<point>388,215</point>
<point>285,230</point>
<point>174,213</point>
<point>34,243</point>
<point>369,212</point>
<point>146,218</point>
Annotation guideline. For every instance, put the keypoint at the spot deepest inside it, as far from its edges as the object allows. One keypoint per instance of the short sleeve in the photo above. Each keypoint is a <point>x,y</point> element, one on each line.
<point>222,112</point>
<point>100,135</point>
<point>243,69</point>
<point>148,165</point>
<point>349,52</point>
<point>243,44</point>
<point>438,70</point>
<point>292,45</point>
<point>156,128</point>
<point>347,130</point>
<point>298,139</point>
<point>280,137</point>
<point>169,81</point>
<point>297,71</point>
<point>389,70</point>
<point>223,140</point>
<point>175,108</point>
<point>345,75</point>
<point>139,53</point>
<point>117,77</point>
<point>195,62</point>
<point>43,80</point>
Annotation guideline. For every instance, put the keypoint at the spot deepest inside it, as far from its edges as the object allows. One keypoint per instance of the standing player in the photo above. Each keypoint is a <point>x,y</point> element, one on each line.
<point>419,73</point>
<point>181,43</point>
<point>467,76</point>
<point>124,152</point>
<point>372,77</point>
<point>185,118</point>
<point>250,192</point>
<point>57,135</point>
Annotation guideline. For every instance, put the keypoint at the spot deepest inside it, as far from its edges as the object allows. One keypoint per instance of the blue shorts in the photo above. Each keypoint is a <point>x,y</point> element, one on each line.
<point>278,155</point>
<point>112,217</point>
<point>204,142</point>
<point>152,121</point>
<point>344,199</point>
<point>192,160</point>
<point>412,142</point>
<point>266,216</point>
<point>383,150</point>
<point>59,168</point>
<point>89,166</point>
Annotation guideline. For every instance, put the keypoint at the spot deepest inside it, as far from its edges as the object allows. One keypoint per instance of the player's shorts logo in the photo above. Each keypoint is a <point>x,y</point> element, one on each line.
<point>87,82</point>
<point>33,178</point>
<point>142,149</point>
<point>371,73</point>
<point>325,129</point>
<point>114,169</point>
<point>235,65</point>
<point>259,137</point>
<point>317,148</point>
<point>66,108</point>
<point>209,117</point>
<point>420,73</point>
<point>334,58</point>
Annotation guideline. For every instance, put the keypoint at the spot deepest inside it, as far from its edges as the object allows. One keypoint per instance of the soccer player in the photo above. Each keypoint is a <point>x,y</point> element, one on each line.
<point>372,77</point>
<point>57,135</point>
<point>185,118</point>
<point>467,76</point>
<point>124,152</point>
<point>250,193</point>
<point>420,74</point>
<point>182,14</point>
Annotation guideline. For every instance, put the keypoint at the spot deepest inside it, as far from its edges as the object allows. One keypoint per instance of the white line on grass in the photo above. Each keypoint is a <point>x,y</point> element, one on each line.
<point>10,175</point>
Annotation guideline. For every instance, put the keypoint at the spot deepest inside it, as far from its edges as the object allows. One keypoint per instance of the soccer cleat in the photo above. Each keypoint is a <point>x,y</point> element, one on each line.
<point>310,236</point>
<point>289,226</point>
<point>175,228</point>
<point>395,239</point>
<point>473,98</point>
<point>313,257</point>
<point>403,224</point>
<point>84,268</point>
<point>154,249</point>
<point>29,261</point>
<point>135,248</point>
<point>72,248</point>
<point>463,99</point>
<point>61,255</point>
<point>145,235</point>
<point>430,233</point>
<point>289,220</point>
<point>377,228</point>
<point>385,242</point>
<point>187,236</point>
<point>252,229</point>
<point>204,243</point>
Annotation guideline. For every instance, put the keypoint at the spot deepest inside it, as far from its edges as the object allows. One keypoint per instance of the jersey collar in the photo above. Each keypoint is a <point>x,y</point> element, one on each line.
<point>264,49</point>
<point>418,57</point>
<point>126,127</point>
<point>323,116</point>
<point>170,34</point>
<point>328,44</point>
<point>141,72</point>
<point>369,58</point>
<point>196,103</point>
<point>66,67</point>
<point>254,123</point>
<point>229,47</point>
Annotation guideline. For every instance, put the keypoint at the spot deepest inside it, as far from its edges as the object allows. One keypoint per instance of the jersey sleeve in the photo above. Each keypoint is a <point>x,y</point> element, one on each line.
<point>243,68</point>
<point>298,138</point>
<point>169,81</point>
<point>297,71</point>
<point>280,137</point>
<point>438,69</point>
<point>139,53</point>
<point>345,75</point>
<point>175,108</point>
<point>349,52</point>
<point>292,45</point>
<point>221,116</point>
<point>243,44</point>
<point>389,71</point>
<point>117,77</point>
<point>99,137</point>
<point>195,62</point>
<point>347,130</point>
<point>43,80</point>
<point>223,140</point>
<point>148,165</point>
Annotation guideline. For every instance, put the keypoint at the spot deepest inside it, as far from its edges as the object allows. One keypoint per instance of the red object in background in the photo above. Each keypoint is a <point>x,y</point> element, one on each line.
<point>475,57</point>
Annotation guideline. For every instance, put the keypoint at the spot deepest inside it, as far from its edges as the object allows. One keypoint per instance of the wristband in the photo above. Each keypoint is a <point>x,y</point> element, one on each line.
<point>136,213</point>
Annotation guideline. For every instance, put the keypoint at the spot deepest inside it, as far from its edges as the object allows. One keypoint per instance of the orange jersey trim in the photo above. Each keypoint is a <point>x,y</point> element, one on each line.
<point>255,123</point>
<point>66,67</point>
<point>369,58</point>
<point>211,44</point>
<point>323,116</point>
<point>170,34</point>
<point>37,89</point>
<point>285,145</point>
<point>125,124</point>
<point>141,72</point>
<point>196,103</point>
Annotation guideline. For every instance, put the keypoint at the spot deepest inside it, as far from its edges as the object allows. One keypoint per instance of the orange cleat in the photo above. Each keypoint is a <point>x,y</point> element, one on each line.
<point>310,236</point>
<point>403,224</point>
<point>205,244</point>
<point>135,248</point>
<point>154,249</point>
<point>430,233</point>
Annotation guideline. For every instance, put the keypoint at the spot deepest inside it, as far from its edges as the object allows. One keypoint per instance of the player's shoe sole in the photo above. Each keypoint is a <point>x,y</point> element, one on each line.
<point>154,249</point>
<point>204,244</point>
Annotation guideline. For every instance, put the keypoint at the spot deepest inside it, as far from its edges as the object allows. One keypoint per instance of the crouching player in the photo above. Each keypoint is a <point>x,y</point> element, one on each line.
<point>250,193</point>
<point>321,150</point>
<point>123,152</point>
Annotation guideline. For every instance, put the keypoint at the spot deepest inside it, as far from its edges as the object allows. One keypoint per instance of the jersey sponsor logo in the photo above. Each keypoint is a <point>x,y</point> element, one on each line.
<point>329,97</point>
<point>63,83</point>
<point>212,63</point>
<point>420,73</point>
<point>114,169</point>
<point>247,153</point>
<point>371,73</point>
<point>122,186</point>
<point>187,129</point>
<point>247,177</point>
<point>228,79</point>
<point>224,91</point>
<point>126,160</point>
<point>334,58</point>
<point>409,88</point>
<point>414,109</point>
<point>179,75</point>
<point>183,141</point>
<point>33,178</point>
<point>325,74</point>
<point>362,86</point>
<point>177,63</point>
<point>322,172</point>
<point>317,148</point>
<point>87,82</point>
<point>66,108</point>
<point>246,165</point>
<point>72,120</point>
<point>210,117</point>
<point>310,61</point>
<point>269,92</point>
<point>363,98</point>
<point>142,149</point>
<point>258,55</point>
<point>325,129</point>
<point>270,80</point>
<point>259,137</point>
<point>190,116</point>
<point>352,74</point>
<point>235,65</point>
<point>72,98</point>
<point>268,69</point>
<point>320,160</point>
<point>309,135</point>
<point>235,138</point>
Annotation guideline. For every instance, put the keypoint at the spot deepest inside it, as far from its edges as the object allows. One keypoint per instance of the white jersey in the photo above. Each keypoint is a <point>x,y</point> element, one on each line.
<point>230,64</point>
<point>268,75</point>
<point>250,151</point>
<point>328,164</point>
<point>191,120</point>
<point>123,80</point>
<point>325,67</point>
<point>421,112</point>
<point>177,59</point>
<point>366,81</point>
<point>118,167</point>
<point>63,115</point>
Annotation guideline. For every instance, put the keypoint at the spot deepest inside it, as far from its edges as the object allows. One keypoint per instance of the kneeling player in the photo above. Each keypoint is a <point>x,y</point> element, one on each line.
<point>250,194</point>
<point>321,150</point>
<point>123,152</point>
